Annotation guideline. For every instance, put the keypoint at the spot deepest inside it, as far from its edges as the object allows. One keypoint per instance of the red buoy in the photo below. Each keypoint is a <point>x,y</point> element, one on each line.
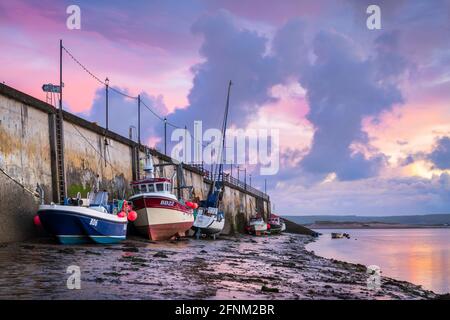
<point>121,214</point>
<point>132,215</point>
<point>37,221</point>
<point>189,204</point>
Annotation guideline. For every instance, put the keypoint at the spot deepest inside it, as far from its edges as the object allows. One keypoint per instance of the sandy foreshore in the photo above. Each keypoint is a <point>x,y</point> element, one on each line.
<point>244,267</point>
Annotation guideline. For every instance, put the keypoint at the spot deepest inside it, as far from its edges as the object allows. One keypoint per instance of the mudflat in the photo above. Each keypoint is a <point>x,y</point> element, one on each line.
<point>241,267</point>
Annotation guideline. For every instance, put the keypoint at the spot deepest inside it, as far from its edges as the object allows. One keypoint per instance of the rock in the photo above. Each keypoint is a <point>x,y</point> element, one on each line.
<point>443,296</point>
<point>267,289</point>
<point>130,249</point>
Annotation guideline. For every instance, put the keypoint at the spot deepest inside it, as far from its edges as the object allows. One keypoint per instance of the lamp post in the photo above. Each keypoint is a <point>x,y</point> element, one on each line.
<point>165,136</point>
<point>245,176</point>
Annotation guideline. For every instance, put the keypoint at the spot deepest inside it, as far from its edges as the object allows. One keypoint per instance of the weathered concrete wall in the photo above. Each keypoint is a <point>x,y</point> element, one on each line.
<point>26,153</point>
<point>84,159</point>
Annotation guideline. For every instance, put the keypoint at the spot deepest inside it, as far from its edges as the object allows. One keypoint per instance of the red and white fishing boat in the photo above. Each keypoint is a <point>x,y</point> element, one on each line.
<point>161,215</point>
<point>257,226</point>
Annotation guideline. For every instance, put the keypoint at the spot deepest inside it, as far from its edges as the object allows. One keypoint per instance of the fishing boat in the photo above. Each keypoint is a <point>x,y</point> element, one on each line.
<point>257,226</point>
<point>161,215</point>
<point>209,220</point>
<point>277,224</point>
<point>74,223</point>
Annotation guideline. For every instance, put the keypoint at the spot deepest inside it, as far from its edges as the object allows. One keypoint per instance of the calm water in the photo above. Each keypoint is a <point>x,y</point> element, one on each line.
<point>420,256</point>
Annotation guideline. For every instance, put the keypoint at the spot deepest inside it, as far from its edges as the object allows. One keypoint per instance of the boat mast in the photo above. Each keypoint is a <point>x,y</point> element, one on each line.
<point>224,130</point>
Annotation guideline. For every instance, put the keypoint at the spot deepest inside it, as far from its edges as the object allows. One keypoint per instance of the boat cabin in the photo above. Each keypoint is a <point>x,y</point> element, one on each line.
<point>274,219</point>
<point>152,185</point>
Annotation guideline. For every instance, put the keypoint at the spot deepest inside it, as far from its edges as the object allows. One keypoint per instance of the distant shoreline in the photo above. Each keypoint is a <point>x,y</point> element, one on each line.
<point>375,225</point>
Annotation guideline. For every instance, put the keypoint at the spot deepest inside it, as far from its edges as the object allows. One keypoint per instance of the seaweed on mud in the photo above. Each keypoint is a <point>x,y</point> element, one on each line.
<point>133,259</point>
<point>27,247</point>
<point>92,252</point>
<point>113,274</point>
<point>160,254</point>
<point>67,251</point>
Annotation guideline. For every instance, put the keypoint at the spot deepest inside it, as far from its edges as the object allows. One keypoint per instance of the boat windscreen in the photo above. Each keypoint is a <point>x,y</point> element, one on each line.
<point>99,199</point>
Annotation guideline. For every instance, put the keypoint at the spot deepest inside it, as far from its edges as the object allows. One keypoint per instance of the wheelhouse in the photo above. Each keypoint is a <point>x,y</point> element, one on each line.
<point>151,186</point>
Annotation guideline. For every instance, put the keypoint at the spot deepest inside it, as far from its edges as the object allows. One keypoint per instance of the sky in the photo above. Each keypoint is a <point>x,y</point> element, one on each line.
<point>363,115</point>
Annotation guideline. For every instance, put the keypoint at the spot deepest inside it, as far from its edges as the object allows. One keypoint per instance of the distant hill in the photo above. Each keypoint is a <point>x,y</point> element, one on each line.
<point>429,219</point>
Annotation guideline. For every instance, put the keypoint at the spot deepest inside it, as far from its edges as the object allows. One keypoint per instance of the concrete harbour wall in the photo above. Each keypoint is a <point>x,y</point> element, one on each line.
<point>26,153</point>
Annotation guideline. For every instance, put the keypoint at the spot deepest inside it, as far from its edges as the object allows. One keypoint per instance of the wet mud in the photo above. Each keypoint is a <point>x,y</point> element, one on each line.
<point>242,267</point>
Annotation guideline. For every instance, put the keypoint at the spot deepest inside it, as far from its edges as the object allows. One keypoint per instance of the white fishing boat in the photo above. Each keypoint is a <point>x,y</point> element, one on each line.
<point>210,221</point>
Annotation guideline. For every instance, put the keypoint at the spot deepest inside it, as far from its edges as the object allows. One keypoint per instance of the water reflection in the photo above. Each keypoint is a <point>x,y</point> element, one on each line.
<point>420,256</point>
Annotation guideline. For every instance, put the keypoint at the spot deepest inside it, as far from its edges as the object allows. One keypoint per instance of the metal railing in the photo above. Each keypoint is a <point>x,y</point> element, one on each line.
<point>231,180</point>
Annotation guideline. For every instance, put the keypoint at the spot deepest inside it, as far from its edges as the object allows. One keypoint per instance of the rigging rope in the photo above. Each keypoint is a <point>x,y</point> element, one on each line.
<point>95,149</point>
<point>20,184</point>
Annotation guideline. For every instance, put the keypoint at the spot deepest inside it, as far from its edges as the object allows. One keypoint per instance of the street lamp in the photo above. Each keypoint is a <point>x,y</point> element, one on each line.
<point>245,175</point>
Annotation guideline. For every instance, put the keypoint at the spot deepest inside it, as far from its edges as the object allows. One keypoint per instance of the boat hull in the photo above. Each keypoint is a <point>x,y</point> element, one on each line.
<point>161,218</point>
<point>275,229</point>
<point>258,229</point>
<point>78,225</point>
<point>208,225</point>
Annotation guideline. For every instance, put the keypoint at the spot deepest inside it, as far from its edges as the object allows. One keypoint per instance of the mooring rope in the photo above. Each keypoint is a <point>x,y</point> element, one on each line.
<point>19,183</point>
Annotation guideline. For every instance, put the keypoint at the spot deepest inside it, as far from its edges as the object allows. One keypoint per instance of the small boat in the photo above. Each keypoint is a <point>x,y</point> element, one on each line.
<point>257,226</point>
<point>277,224</point>
<point>209,221</point>
<point>99,221</point>
<point>161,215</point>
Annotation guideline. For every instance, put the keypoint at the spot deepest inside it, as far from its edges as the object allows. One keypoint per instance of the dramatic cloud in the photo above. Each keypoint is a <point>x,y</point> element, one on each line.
<point>440,156</point>
<point>372,196</point>
<point>343,89</point>
<point>230,53</point>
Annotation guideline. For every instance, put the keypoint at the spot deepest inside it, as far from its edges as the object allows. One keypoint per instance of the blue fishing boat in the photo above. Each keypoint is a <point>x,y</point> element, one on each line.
<point>75,223</point>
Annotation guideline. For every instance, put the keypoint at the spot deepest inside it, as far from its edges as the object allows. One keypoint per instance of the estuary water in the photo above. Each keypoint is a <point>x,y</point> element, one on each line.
<point>420,256</point>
